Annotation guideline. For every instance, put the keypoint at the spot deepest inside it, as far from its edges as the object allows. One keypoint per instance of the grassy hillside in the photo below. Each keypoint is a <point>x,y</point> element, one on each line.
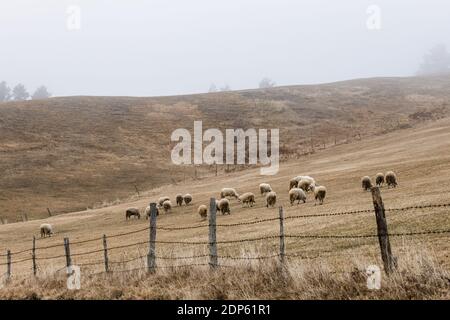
<point>71,153</point>
<point>324,268</point>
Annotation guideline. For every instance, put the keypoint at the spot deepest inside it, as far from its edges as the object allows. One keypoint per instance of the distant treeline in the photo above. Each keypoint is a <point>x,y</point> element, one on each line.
<point>20,93</point>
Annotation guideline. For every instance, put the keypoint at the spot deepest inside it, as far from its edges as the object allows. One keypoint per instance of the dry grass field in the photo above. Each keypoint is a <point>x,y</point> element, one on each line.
<point>326,268</point>
<point>69,154</point>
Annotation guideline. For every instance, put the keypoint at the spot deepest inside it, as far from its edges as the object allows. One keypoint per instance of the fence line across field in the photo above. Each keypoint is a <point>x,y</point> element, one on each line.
<point>389,261</point>
<point>427,206</point>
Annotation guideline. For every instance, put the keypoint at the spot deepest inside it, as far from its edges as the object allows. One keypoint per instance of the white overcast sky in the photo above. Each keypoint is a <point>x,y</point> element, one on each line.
<point>165,47</point>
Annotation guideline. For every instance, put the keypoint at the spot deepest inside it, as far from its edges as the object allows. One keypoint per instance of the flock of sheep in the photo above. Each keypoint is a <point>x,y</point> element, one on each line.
<point>299,187</point>
<point>390,179</point>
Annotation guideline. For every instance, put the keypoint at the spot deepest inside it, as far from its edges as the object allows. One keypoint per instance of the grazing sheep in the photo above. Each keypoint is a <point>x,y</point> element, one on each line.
<point>293,183</point>
<point>373,274</point>
<point>202,211</point>
<point>224,206</point>
<point>319,193</point>
<point>271,199</point>
<point>187,198</point>
<point>379,179</point>
<point>305,184</point>
<point>132,212</point>
<point>148,212</point>
<point>161,201</point>
<point>366,183</point>
<point>228,192</point>
<point>264,188</point>
<point>167,206</point>
<point>179,199</point>
<point>307,178</point>
<point>391,179</point>
<point>46,230</point>
<point>217,205</point>
<point>297,194</point>
<point>247,198</point>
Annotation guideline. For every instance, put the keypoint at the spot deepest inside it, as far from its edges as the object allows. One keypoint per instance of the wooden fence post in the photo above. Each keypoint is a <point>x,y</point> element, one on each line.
<point>389,260</point>
<point>212,234</point>
<point>33,256</point>
<point>151,258</point>
<point>8,265</point>
<point>67,250</point>
<point>282,246</point>
<point>105,253</point>
<point>49,212</point>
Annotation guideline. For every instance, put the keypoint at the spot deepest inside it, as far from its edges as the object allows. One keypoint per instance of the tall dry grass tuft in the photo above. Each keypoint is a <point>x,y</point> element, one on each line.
<point>417,277</point>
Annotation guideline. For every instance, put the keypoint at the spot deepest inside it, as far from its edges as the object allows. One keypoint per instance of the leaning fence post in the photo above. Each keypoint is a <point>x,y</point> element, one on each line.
<point>212,234</point>
<point>282,245</point>
<point>151,257</point>
<point>49,212</point>
<point>67,250</point>
<point>105,253</point>
<point>8,264</point>
<point>382,231</point>
<point>33,256</point>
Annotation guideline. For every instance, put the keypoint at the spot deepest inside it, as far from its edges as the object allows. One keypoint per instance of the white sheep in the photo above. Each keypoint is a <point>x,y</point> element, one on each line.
<point>366,183</point>
<point>307,178</point>
<point>161,201</point>
<point>187,198</point>
<point>46,230</point>
<point>167,206</point>
<point>224,206</point>
<point>179,199</point>
<point>391,179</point>
<point>202,211</point>
<point>264,188</point>
<point>271,199</point>
<point>297,194</point>
<point>293,183</point>
<point>319,193</point>
<point>247,198</point>
<point>305,184</point>
<point>379,179</point>
<point>229,192</point>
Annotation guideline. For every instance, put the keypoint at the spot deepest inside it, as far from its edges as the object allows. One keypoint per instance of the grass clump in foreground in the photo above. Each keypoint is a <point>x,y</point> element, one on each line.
<point>417,277</point>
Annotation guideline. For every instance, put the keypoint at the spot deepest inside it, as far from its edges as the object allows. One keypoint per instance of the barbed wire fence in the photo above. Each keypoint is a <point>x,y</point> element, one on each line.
<point>149,260</point>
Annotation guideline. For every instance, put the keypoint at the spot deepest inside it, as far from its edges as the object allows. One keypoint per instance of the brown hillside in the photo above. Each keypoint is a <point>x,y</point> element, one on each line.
<point>71,153</point>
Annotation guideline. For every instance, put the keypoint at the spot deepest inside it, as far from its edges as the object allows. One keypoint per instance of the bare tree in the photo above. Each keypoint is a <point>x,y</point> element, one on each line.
<point>20,93</point>
<point>41,93</point>
<point>436,61</point>
<point>266,83</point>
<point>5,92</point>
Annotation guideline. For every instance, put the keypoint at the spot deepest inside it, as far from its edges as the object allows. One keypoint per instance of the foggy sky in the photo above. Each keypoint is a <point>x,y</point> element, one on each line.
<point>166,47</point>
